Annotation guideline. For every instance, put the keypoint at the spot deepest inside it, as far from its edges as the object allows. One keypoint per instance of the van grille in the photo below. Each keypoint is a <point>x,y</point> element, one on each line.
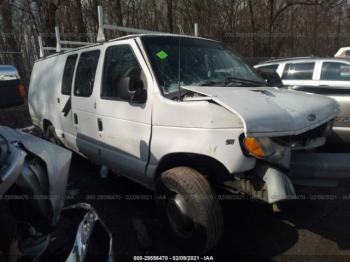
<point>304,139</point>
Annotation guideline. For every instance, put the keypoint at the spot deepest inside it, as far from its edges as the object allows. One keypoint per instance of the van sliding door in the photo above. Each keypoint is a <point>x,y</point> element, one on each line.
<point>84,105</point>
<point>64,102</point>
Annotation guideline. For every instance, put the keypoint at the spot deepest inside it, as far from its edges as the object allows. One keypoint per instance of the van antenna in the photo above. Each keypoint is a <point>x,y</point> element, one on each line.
<point>179,69</point>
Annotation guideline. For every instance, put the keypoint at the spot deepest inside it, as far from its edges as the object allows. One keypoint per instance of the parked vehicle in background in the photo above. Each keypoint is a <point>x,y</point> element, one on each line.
<point>180,115</point>
<point>325,76</point>
<point>343,52</point>
<point>33,181</point>
<point>12,91</point>
<point>311,71</point>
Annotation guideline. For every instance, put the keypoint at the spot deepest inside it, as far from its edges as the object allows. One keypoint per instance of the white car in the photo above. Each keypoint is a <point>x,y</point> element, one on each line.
<point>311,71</point>
<point>180,115</point>
<point>326,76</point>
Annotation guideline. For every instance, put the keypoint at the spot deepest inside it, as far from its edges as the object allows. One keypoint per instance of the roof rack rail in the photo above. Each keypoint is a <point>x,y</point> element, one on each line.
<point>100,34</point>
<point>59,44</point>
<point>102,26</point>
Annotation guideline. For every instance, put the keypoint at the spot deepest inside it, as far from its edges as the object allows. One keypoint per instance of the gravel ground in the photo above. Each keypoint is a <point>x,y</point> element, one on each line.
<point>305,230</point>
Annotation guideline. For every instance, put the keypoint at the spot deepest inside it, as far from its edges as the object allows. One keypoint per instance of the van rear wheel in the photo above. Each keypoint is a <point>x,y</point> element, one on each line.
<point>191,209</point>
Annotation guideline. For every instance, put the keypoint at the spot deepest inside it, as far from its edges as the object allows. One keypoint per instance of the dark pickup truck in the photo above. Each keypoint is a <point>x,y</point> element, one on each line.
<point>12,91</point>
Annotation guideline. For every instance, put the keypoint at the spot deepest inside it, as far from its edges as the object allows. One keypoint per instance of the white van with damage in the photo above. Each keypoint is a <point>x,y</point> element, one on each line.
<point>182,116</point>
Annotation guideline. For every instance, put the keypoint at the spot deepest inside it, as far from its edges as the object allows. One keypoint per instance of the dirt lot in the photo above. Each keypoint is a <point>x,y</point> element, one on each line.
<point>306,230</point>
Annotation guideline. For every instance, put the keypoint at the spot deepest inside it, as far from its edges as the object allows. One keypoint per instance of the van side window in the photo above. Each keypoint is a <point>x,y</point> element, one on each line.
<point>85,75</point>
<point>335,71</point>
<point>120,63</point>
<point>298,71</point>
<point>68,73</point>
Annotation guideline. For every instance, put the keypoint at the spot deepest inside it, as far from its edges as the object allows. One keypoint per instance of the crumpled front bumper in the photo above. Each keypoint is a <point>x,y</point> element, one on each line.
<point>265,183</point>
<point>310,169</point>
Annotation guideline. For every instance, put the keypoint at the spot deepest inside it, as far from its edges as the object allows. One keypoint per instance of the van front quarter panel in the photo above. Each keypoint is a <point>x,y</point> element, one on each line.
<point>198,128</point>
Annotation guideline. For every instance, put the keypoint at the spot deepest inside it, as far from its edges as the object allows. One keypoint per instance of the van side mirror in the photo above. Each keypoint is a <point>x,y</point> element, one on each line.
<point>271,77</point>
<point>132,90</point>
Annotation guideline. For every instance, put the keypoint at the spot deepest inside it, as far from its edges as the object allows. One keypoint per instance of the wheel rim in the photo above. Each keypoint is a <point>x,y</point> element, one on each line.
<point>178,214</point>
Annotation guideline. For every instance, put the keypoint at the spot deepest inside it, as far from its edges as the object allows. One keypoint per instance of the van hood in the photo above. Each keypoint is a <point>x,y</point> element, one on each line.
<point>269,111</point>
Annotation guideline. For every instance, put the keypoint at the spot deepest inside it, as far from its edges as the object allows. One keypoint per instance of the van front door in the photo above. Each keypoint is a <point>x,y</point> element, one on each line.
<point>84,105</point>
<point>123,125</point>
<point>64,101</point>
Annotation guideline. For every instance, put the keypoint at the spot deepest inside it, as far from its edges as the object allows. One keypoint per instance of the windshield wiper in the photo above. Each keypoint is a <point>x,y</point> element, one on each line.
<point>230,80</point>
<point>211,82</point>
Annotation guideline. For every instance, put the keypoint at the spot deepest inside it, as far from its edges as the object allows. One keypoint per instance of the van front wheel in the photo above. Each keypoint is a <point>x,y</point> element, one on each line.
<point>191,208</point>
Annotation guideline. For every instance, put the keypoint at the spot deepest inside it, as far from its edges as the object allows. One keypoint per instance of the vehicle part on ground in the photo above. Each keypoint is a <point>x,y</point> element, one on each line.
<point>34,173</point>
<point>33,180</point>
<point>80,236</point>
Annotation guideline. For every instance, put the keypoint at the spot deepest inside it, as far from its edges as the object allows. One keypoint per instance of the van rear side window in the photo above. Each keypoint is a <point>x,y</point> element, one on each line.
<point>85,76</point>
<point>68,75</point>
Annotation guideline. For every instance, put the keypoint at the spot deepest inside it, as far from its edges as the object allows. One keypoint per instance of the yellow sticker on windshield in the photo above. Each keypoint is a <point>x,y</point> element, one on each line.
<point>162,54</point>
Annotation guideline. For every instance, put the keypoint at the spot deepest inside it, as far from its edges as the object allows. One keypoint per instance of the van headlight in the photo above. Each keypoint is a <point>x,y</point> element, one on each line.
<point>267,149</point>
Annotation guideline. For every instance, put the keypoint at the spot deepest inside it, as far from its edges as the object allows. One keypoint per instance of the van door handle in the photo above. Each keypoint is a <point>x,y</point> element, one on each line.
<point>100,124</point>
<point>75,119</point>
<point>58,100</point>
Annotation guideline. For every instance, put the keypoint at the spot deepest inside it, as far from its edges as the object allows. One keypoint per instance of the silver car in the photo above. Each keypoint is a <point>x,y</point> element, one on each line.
<point>327,76</point>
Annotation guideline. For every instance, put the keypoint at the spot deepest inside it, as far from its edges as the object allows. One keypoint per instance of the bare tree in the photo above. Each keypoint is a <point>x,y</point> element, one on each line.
<point>170,15</point>
<point>10,42</point>
<point>256,28</point>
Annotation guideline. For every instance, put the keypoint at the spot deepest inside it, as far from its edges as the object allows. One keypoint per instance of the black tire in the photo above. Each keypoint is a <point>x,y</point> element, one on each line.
<point>51,136</point>
<point>191,209</point>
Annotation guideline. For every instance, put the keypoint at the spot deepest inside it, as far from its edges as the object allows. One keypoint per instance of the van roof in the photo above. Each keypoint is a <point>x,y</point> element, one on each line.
<point>133,36</point>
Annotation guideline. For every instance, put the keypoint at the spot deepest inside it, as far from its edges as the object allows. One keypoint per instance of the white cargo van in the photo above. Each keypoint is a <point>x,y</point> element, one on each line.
<point>181,115</point>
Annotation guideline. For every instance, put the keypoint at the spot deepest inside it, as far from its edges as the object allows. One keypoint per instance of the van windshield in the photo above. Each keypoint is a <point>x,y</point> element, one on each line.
<point>183,61</point>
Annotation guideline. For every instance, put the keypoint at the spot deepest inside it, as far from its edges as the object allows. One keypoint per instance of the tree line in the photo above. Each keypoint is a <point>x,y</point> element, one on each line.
<point>257,29</point>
